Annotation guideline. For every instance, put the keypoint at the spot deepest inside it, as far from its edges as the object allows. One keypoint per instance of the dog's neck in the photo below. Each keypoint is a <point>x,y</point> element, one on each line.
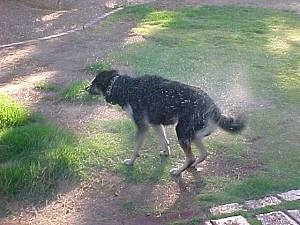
<point>110,86</point>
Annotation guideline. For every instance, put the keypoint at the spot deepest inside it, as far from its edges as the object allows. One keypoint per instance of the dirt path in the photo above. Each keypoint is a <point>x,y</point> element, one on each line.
<point>62,60</point>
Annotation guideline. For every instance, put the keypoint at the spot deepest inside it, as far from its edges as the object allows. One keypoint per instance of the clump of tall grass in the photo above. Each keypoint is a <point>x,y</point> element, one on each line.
<point>12,113</point>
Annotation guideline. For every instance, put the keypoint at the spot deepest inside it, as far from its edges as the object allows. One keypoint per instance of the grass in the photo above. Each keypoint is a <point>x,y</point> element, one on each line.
<point>111,142</point>
<point>223,49</point>
<point>193,221</point>
<point>98,66</point>
<point>11,113</point>
<point>33,159</point>
<point>75,92</point>
<point>34,155</point>
<point>50,87</point>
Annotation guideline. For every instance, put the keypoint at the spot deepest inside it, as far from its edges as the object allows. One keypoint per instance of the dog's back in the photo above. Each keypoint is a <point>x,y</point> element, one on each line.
<point>163,101</point>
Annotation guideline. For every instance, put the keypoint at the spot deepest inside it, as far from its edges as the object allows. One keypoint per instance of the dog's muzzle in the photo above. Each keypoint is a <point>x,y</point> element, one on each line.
<point>88,88</point>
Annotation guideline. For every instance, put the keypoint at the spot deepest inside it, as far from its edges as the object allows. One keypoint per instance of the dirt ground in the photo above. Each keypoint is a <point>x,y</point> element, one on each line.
<point>61,60</point>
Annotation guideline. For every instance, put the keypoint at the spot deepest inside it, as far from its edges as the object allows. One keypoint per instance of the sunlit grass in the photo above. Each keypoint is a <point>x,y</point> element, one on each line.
<point>11,113</point>
<point>34,157</point>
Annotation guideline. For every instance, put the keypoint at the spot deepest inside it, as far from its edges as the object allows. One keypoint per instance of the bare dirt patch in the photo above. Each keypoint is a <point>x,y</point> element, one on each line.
<point>103,200</point>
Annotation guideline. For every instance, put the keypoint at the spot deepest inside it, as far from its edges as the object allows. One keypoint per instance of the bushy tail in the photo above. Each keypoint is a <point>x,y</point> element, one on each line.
<point>230,124</point>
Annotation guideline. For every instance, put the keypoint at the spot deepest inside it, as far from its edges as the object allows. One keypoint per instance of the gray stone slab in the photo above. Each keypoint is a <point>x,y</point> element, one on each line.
<point>275,218</point>
<point>295,214</point>
<point>290,195</point>
<point>207,223</point>
<point>228,208</point>
<point>233,220</point>
<point>260,203</point>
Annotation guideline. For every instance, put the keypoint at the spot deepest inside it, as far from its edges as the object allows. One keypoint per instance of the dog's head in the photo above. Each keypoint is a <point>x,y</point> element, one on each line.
<point>100,83</point>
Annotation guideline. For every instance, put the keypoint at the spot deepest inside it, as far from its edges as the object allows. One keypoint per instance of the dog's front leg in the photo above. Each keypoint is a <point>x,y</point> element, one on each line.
<point>140,137</point>
<point>160,131</point>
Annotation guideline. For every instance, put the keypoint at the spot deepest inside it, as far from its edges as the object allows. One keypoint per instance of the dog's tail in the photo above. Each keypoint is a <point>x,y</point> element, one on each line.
<point>231,124</point>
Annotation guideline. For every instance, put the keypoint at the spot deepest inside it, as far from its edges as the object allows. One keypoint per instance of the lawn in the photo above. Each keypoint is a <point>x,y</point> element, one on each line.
<point>245,58</point>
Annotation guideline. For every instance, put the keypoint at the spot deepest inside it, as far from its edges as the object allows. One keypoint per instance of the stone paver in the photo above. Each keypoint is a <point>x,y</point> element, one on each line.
<point>295,214</point>
<point>260,203</point>
<point>207,223</point>
<point>275,218</point>
<point>228,208</point>
<point>290,195</point>
<point>234,220</point>
<point>289,217</point>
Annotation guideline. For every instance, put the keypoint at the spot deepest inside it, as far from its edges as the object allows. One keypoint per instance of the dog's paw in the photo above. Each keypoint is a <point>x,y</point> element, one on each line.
<point>174,172</point>
<point>128,162</point>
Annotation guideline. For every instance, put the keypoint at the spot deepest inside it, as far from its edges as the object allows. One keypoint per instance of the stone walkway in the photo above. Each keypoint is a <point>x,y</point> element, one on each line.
<point>288,217</point>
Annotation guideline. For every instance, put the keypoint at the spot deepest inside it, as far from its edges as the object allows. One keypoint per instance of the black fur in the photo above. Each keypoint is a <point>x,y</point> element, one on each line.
<point>155,100</point>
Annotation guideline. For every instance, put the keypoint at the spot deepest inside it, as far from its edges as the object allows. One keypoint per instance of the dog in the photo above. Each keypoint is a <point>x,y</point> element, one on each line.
<point>153,100</point>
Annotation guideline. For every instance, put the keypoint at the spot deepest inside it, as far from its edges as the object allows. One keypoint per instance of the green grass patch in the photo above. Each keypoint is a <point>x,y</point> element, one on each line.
<point>75,92</point>
<point>94,68</point>
<point>34,157</point>
<point>45,86</point>
<point>11,113</point>
<point>112,142</point>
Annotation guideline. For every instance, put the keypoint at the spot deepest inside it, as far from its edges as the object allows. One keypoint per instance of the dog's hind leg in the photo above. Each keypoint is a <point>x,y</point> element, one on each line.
<point>139,140</point>
<point>202,151</point>
<point>184,142</point>
<point>189,160</point>
<point>160,131</point>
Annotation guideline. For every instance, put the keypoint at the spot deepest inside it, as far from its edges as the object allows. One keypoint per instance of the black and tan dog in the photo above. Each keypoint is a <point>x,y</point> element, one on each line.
<point>152,100</point>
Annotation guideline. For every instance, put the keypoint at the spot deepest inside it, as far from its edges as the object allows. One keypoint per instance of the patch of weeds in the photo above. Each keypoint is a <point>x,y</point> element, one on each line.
<point>45,86</point>
<point>75,92</point>
<point>12,113</point>
<point>98,66</point>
